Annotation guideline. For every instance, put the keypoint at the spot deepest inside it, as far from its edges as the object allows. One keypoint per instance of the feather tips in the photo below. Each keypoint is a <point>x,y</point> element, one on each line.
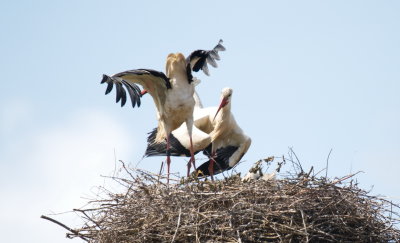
<point>199,59</point>
<point>127,82</point>
<point>133,90</point>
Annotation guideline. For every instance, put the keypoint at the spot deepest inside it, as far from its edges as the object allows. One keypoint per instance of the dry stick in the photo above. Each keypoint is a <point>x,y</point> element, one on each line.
<point>126,170</point>
<point>197,226</point>
<point>239,239</point>
<point>298,161</point>
<point>115,162</point>
<point>177,226</point>
<point>345,178</point>
<point>65,227</point>
<point>327,163</point>
<point>304,223</point>
<point>245,219</point>
<point>159,174</point>
<point>309,173</point>
<point>87,216</point>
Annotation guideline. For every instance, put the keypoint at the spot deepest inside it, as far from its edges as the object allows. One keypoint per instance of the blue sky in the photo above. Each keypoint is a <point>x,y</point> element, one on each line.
<point>311,75</point>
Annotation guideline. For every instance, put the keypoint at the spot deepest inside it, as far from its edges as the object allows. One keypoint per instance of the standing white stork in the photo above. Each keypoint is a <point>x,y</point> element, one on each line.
<point>172,92</point>
<point>215,132</point>
<point>229,143</point>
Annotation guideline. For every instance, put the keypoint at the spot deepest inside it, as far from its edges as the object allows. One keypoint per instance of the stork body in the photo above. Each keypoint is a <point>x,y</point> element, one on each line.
<point>221,138</point>
<point>229,143</point>
<point>172,92</point>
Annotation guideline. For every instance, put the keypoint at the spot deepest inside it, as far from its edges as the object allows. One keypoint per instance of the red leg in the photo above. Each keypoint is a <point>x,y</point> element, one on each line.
<point>189,125</point>
<point>192,153</point>
<point>189,165</point>
<point>211,166</point>
<point>168,158</point>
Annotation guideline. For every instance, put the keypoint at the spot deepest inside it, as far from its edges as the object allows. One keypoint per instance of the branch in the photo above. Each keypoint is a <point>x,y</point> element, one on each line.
<point>177,226</point>
<point>65,227</point>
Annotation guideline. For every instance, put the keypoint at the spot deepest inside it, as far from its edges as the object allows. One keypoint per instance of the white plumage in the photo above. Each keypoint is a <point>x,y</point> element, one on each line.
<point>221,138</point>
<point>172,92</point>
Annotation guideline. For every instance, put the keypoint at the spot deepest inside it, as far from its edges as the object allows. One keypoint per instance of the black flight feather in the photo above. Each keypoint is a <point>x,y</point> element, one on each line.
<point>202,57</point>
<point>160,149</point>
<point>221,160</point>
<point>155,73</point>
<point>121,85</point>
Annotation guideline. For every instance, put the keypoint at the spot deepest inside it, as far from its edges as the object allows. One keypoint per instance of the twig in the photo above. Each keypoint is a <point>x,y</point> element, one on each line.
<point>65,227</point>
<point>87,216</point>
<point>327,164</point>
<point>298,161</point>
<point>239,239</point>
<point>177,226</point>
<point>304,224</point>
<point>115,162</point>
<point>160,173</point>
<point>345,178</point>
<point>229,210</point>
<point>126,170</point>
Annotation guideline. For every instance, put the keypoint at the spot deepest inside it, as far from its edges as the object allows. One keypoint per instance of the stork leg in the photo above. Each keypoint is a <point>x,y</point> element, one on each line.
<point>211,165</point>
<point>168,157</point>
<point>189,125</point>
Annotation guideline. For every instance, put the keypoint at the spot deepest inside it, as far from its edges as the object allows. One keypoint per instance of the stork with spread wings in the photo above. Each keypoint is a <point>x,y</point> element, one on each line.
<point>172,91</point>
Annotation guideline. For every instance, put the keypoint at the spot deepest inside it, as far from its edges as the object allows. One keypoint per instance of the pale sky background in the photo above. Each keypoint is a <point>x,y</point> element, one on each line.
<point>312,75</point>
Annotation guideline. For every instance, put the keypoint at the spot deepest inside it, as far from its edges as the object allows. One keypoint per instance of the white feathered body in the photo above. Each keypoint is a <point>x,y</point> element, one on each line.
<point>179,102</point>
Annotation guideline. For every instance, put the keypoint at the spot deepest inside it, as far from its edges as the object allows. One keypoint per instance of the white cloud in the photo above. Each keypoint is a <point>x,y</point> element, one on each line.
<point>55,168</point>
<point>81,147</point>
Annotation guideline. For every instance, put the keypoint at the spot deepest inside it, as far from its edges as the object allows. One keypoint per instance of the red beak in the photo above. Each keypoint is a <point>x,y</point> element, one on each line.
<point>143,92</point>
<point>224,102</point>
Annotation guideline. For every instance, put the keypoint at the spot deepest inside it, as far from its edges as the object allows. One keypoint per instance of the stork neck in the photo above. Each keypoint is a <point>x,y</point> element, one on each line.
<point>178,78</point>
<point>224,114</point>
<point>221,124</point>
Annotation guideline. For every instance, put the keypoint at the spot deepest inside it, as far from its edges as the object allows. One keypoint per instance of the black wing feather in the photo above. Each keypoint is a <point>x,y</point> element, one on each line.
<point>121,94</point>
<point>221,160</point>
<point>157,74</point>
<point>131,93</point>
<point>109,87</point>
<point>104,79</point>
<point>160,149</point>
<point>133,90</point>
<point>136,93</point>
<point>143,71</point>
<point>199,58</point>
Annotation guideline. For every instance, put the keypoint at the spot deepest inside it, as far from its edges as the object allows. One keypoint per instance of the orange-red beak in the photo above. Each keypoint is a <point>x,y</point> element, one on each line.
<point>224,102</point>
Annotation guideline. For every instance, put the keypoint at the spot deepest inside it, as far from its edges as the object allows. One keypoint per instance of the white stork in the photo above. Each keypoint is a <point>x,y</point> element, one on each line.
<point>215,132</point>
<point>172,92</point>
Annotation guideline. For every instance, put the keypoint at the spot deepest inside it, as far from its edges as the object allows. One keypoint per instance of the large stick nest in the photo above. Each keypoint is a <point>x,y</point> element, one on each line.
<point>297,208</point>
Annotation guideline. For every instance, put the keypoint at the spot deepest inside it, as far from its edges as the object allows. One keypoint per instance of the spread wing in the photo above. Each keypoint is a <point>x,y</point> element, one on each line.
<point>154,82</point>
<point>198,59</point>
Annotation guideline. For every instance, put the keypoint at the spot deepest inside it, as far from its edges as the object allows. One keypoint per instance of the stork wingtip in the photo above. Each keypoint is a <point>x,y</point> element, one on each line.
<point>104,79</point>
<point>221,47</point>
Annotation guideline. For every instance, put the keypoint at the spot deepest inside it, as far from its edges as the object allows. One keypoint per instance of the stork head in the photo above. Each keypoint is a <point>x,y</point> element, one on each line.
<point>226,95</point>
<point>176,62</point>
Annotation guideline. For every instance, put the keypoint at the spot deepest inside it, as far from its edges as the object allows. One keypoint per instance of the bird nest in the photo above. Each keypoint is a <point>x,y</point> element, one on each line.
<point>299,207</point>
